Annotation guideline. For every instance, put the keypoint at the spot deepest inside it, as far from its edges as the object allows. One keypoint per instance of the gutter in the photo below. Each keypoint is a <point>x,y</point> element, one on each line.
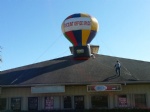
<point>78,84</point>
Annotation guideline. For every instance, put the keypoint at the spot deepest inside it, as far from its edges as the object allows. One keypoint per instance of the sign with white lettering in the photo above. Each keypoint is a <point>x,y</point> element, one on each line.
<point>122,101</point>
<point>49,103</point>
<point>77,24</point>
<point>109,87</point>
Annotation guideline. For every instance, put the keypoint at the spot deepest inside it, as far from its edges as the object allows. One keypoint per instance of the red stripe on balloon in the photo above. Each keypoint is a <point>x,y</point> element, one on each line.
<point>71,37</point>
<point>69,17</point>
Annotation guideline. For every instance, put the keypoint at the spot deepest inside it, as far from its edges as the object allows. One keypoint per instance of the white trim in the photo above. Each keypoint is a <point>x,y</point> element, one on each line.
<point>47,89</point>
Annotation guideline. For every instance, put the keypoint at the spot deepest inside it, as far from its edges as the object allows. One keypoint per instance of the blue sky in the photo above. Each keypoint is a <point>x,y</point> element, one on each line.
<point>30,30</point>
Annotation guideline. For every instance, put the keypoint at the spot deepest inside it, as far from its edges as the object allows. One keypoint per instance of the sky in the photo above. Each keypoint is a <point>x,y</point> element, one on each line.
<point>30,30</point>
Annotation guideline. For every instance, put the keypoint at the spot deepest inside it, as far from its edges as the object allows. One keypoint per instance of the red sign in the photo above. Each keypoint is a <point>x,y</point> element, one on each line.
<point>122,101</point>
<point>49,103</point>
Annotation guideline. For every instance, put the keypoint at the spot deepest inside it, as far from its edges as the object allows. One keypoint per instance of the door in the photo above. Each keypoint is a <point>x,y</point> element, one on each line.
<point>79,102</point>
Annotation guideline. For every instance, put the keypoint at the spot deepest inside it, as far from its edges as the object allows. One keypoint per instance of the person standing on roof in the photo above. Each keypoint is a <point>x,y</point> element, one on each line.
<point>117,67</point>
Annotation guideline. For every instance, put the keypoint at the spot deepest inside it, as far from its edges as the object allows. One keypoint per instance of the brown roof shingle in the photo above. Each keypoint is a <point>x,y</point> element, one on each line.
<point>66,70</point>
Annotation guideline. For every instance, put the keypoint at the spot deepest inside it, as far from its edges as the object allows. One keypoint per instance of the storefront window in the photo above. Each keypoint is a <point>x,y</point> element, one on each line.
<point>49,103</point>
<point>79,102</point>
<point>16,104</point>
<point>140,100</point>
<point>67,102</point>
<point>99,101</point>
<point>2,103</point>
<point>33,103</point>
<point>122,100</point>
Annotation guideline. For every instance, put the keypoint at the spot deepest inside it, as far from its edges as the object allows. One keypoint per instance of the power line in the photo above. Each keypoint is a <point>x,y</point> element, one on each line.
<point>37,58</point>
<point>62,53</point>
<point>125,69</point>
<point>0,54</point>
<point>46,50</point>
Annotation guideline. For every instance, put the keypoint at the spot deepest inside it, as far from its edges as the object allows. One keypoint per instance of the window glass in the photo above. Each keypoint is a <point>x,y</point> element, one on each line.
<point>33,103</point>
<point>16,104</point>
<point>99,101</point>
<point>49,103</point>
<point>140,100</point>
<point>67,102</point>
<point>2,103</point>
<point>79,102</point>
<point>122,100</point>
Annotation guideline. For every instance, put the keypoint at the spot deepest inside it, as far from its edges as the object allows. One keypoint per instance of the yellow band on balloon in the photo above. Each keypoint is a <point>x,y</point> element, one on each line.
<point>85,35</point>
<point>94,25</point>
<point>84,15</point>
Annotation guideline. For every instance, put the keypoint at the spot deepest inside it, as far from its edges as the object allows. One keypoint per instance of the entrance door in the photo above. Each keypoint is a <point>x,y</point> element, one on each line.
<point>79,102</point>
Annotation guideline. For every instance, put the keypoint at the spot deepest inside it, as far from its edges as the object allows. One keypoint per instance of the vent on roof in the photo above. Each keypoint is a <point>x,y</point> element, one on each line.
<point>93,49</point>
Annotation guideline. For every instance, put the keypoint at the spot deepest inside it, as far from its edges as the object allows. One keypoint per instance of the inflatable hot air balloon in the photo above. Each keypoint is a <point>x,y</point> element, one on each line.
<point>80,29</point>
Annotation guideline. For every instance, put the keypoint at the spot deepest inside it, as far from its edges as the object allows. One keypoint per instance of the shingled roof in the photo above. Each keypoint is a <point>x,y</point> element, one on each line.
<point>66,71</point>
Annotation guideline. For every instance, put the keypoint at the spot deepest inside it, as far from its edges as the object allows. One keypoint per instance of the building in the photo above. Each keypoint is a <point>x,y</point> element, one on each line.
<point>65,83</point>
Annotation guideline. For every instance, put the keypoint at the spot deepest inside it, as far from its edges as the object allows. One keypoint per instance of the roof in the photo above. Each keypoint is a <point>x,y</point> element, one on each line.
<point>66,71</point>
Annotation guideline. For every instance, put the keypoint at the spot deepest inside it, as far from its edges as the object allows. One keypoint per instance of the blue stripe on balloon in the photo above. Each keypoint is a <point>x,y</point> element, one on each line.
<point>76,15</point>
<point>78,36</point>
<point>91,36</point>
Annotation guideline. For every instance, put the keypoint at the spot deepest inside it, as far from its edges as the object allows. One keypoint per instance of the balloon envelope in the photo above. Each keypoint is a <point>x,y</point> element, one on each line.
<point>80,28</point>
